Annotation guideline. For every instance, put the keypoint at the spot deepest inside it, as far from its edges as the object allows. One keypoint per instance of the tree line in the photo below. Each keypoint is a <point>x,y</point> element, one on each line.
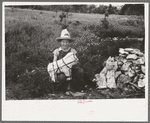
<point>127,9</point>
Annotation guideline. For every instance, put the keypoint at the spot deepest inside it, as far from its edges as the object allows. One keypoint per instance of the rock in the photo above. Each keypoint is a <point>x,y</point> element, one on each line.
<point>125,66</point>
<point>126,73</point>
<point>141,60</point>
<point>123,60</point>
<point>123,55</point>
<point>141,76</point>
<point>137,71</point>
<point>136,78</point>
<point>143,68</point>
<point>141,83</point>
<point>131,62</point>
<point>136,61</point>
<point>120,63</point>
<point>122,51</point>
<point>132,56</point>
<point>117,73</point>
<point>123,78</point>
<point>131,73</point>
<point>138,52</point>
<point>128,50</point>
<point>137,68</point>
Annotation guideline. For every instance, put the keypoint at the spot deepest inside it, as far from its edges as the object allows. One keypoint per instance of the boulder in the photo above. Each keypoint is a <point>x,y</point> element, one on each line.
<point>136,62</point>
<point>122,55</point>
<point>125,66</point>
<point>117,73</point>
<point>137,51</point>
<point>122,51</point>
<point>131,72</point>
<point>141,60</point>
<point>130,50</point>
<point>121,80</point>
<point>141,83</point>
<point>136,78</point>
<point>123,60</point>
<point>141,76</point>
<point>132,57</point>
<point>120,63</point>
<point>143,68</point>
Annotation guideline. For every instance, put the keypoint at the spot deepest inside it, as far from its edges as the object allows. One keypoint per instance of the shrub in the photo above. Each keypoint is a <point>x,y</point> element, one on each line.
<point>90,53</point>
<point>26,49</point>
<point>31,85</point>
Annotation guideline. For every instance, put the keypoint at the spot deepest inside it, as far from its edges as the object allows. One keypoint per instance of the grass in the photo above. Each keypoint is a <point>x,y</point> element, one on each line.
<point>30,39</point>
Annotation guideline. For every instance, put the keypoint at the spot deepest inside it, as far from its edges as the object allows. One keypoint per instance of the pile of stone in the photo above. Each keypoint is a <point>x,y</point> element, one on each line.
<point>126,69</point>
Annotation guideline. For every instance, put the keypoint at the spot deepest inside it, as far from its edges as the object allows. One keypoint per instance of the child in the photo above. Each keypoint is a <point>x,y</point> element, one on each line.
<point>60,52</point>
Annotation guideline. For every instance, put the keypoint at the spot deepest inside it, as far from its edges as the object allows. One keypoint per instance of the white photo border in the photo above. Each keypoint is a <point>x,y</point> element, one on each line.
<point>71,110</point>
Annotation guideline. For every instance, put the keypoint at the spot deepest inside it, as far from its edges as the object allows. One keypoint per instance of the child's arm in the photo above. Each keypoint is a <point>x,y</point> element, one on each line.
<point>56,53</point>
<point>55,58</point>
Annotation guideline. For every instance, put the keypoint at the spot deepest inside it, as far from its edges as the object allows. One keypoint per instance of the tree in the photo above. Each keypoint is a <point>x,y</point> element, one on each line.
<point>100,9</point>
<point>66,8</point>
<point>75,8</point>
<point>132,9</point>
<point>91,8</point>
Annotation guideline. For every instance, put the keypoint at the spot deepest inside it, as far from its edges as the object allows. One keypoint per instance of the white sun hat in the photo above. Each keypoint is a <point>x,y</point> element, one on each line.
<point>64,35</point>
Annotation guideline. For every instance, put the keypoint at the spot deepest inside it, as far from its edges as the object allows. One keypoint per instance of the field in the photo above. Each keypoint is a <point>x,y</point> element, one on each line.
<point>30,39</point>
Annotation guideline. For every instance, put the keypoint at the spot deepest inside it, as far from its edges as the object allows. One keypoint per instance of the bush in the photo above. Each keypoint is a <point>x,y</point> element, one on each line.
<point>26,49</point>
<point>90,52</point>
<point>31,85</point>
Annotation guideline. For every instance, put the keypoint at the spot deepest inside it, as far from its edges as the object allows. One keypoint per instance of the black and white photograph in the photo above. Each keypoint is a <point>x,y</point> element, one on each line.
<point>88,54</point>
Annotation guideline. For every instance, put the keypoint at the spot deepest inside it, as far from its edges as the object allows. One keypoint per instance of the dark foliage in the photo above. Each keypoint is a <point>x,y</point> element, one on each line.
<point>132,9</point>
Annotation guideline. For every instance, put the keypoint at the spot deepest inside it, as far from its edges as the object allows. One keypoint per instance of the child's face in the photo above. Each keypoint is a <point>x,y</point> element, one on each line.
<point>65,44</point>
